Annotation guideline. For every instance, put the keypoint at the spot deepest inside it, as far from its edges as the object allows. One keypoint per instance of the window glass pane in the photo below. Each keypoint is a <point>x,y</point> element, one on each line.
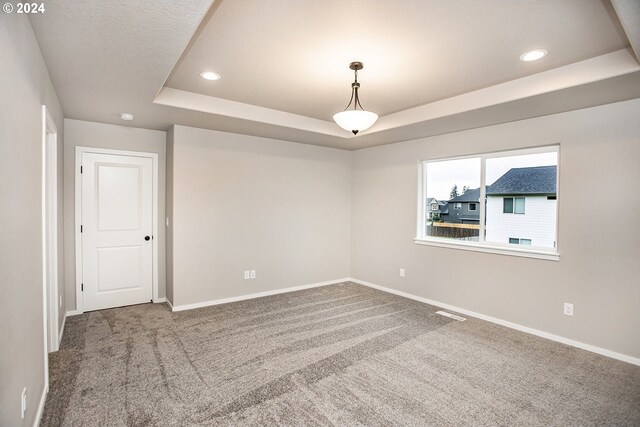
<point>473,206</point>
<point>452,184</point>
<point>523,185</point>
<point>507,205</point>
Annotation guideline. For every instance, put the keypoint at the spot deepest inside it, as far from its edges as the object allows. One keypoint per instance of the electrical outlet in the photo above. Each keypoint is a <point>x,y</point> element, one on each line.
<point>402,272</point>
<point>568,309</point>
<point>246,275</point>
<point>23,402</point>
<point>253,274</point>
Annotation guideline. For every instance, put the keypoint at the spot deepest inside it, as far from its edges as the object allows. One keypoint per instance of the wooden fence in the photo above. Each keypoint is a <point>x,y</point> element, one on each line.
<point>455,231</point>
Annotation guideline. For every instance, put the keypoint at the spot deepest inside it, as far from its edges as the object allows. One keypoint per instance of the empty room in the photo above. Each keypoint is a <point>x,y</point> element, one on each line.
<point>320,213</point>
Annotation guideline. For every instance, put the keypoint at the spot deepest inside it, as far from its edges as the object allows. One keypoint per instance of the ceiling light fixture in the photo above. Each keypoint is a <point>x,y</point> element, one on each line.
<point>210,75</point>
<point>533,55</point>
<point>355,120</point>
<point>127,117</point>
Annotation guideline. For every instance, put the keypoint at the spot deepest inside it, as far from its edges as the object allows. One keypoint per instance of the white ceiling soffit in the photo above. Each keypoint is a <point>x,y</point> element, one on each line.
<point>430,66</point>
<point>459,59</point>
<point>628,12</point>
<point>582,73</point>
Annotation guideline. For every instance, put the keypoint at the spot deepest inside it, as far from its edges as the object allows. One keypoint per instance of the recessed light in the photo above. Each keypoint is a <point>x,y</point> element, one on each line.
<point>533,55</point>
<point>210,75</point>
<point>126,116</point>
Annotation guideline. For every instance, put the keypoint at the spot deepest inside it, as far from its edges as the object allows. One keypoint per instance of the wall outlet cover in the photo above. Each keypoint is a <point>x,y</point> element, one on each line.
<point>568,309</point>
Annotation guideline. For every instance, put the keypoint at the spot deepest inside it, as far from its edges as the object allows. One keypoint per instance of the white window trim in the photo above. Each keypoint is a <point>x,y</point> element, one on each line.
<point>552,254</point>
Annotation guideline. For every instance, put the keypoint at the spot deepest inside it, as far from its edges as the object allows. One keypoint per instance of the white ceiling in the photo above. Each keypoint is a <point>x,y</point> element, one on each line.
<point>293,55</point>
<point>430,66</point>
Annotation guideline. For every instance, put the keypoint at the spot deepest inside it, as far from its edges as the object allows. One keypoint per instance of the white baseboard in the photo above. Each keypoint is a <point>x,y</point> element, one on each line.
<point>256,295</point>
<point>567,341</point>
<point>159,300</point>
<point>64,322</point>
<point>43,399</point>
<point>169,304</point>
<point>73,313</point>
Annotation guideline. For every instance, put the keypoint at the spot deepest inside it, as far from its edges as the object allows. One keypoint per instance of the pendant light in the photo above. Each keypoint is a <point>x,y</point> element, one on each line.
<point>355,119</point>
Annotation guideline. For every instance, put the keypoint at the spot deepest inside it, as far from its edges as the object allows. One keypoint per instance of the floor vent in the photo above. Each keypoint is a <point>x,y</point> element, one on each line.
<point>452,316</point>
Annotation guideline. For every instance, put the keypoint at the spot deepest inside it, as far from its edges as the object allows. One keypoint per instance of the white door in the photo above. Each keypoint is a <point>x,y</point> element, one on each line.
<point>117,224</point>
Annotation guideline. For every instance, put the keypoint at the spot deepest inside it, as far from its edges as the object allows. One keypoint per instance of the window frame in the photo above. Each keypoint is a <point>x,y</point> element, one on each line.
<point>552,254</point>
<point>475,207</point>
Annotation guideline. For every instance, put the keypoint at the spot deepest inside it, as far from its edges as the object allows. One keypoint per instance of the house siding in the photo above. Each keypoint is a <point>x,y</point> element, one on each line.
<point>463,215</point>
<point>538,223</point>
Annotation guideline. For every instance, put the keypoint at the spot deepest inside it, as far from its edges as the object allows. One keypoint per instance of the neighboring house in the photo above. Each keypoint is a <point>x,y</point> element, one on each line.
<point>521,207</point>
<point>465,208</point>
<point>436,209</point>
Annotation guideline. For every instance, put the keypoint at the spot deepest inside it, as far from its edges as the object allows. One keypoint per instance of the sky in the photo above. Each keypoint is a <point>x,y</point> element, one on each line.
<point>442,175</point>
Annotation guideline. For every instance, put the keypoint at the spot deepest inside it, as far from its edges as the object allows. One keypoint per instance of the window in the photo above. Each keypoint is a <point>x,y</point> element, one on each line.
<point>513,205</point>
<point>444,180</point>
<point>512,193</point>
<point>434,206</point>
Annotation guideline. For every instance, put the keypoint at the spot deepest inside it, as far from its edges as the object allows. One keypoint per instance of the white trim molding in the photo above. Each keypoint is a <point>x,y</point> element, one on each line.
<point>43,400</point>
<point>64,322</point>
<point>491,249</point>
<point>159,300</point>
<point>252,296</point>
<point>517,327</point>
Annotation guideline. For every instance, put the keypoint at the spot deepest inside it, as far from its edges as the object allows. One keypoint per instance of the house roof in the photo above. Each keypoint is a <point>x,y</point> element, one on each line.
<point>471,195</point>
<point>530,180</point>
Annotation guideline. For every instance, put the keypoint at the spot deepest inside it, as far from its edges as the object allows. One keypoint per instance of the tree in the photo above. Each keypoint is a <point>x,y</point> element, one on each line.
<point>464,189</point>
<point>454,191</point>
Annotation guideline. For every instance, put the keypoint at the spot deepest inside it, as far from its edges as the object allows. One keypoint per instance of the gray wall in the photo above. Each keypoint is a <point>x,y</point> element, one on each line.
<point>241,203</point>
<point>98,135</point>
<point>598,269</point>
<point>24,87</point>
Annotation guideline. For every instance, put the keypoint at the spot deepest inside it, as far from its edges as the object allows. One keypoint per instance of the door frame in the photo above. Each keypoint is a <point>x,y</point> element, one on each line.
<point>51,294</point>
<point>78,215</point>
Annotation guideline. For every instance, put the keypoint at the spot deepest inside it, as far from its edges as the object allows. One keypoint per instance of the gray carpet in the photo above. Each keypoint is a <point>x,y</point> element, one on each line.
<point>343,355</point>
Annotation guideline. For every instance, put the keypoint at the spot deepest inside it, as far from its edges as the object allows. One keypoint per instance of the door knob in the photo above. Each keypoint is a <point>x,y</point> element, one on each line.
<point>147,238</point>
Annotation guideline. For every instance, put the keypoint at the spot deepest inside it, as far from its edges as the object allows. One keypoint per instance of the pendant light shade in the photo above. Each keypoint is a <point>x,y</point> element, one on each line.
<point>355,119</point>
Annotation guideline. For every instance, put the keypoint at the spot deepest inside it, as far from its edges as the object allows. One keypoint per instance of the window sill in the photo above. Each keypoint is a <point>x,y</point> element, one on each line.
<point>492,249</point>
